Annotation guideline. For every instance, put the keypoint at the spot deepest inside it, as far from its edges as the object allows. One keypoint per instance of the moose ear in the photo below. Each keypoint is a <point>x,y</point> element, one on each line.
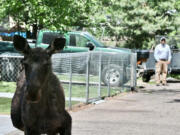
<point>57,45</point>
<point>21,44</point>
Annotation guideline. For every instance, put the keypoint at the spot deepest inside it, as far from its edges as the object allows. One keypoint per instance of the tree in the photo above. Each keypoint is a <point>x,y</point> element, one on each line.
<point>56,14</point>
<point>137,22</point>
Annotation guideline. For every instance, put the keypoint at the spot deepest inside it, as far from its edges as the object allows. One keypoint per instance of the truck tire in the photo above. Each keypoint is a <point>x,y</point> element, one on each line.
<point>115,73</point>
<point>146,77</point>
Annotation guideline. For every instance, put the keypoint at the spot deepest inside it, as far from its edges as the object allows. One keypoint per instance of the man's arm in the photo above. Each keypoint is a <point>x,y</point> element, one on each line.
<point>156,53</point>
<point>169,55</point>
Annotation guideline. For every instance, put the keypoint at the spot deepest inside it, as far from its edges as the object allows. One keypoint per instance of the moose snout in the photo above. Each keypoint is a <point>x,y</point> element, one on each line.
<point>33,93</point>
<point>33,97</point>
<point>34,84</point>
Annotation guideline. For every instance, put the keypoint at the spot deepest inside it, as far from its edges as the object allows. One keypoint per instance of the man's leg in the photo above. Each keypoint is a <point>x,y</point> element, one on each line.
<point>158,72</point>
<point>164,72</point>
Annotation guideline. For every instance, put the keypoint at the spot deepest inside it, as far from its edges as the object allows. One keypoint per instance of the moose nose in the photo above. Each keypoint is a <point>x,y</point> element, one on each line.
<point>33,91</point>
<point>33,96</point>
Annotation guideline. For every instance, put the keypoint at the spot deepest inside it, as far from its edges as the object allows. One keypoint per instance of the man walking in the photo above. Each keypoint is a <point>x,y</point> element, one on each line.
<point>162,55</point>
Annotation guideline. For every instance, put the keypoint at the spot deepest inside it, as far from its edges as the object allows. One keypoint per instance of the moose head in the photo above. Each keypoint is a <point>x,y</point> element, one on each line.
<point>37,65</point>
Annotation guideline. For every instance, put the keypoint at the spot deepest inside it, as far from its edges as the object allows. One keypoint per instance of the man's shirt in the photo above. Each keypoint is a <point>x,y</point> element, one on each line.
<point>162,52</point>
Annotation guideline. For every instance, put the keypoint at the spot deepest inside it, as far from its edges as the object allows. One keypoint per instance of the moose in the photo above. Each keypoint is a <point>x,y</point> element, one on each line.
<point>38,105</point>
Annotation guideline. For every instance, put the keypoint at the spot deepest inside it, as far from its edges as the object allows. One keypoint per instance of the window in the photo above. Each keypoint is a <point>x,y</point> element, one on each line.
<point>48,37</point>
<point>72,40</point>
<point>78,40</point>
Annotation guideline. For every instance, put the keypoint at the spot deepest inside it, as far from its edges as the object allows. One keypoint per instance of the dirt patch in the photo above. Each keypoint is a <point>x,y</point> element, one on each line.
<point>82,106</point>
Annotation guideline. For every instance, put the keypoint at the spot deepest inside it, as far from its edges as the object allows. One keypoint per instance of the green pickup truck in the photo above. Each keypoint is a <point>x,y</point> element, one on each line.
<point>77,41</point>
<point>82,42</point>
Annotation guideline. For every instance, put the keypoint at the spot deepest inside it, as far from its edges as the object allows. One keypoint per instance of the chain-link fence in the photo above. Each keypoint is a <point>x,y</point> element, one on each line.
<point>9,67</point>
<point>85,77</point>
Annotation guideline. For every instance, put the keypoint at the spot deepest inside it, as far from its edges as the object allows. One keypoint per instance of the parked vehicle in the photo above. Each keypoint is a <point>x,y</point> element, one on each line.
<point>84,42</point>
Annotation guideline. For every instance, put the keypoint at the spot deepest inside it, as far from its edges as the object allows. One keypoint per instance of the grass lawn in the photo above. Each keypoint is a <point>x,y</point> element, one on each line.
<point>7,86</point>
<point>176,76</point>
<point>77,90</point>
<point>78,77</point>
<point>5,105</point>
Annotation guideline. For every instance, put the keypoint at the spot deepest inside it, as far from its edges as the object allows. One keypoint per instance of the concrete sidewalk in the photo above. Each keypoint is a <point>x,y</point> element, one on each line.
<point>146,113</point>
<point>6,94</point>
<point>149,112</point>
<point>5,125</point>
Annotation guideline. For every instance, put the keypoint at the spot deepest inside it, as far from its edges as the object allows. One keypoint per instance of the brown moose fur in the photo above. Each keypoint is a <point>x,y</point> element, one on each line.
<point>38,105</point>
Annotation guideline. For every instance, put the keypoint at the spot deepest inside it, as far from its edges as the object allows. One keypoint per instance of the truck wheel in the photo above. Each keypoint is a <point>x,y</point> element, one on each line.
<point>112,75</point>
<point>146,77</point>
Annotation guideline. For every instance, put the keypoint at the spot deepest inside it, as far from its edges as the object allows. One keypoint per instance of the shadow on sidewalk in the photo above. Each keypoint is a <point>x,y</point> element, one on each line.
<point>174,101</point>
<point>173,81</point>
<point>160,91</point>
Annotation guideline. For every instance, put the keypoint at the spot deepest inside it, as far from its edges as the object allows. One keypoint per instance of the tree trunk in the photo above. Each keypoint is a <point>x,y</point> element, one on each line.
<point>34,31</point>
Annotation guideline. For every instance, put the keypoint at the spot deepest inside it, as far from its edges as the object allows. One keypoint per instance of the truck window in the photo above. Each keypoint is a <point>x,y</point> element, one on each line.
<point>48,37</point>
<point>72,40</point>
<point>78,40</point>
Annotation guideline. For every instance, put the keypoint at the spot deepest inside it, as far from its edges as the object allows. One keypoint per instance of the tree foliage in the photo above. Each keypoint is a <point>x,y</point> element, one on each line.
<point>55,14</point>
<point>135,22</point>
<point>138,22</point>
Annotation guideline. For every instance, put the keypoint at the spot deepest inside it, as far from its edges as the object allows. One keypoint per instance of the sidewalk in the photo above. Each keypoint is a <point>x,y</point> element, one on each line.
<point>6,94</point>
<point>5,125</point>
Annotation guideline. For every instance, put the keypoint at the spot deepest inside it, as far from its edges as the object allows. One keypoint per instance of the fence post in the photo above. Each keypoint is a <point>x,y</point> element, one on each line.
<point>109,91</point>
<point>70,83</point>
<point>100,62</point>
<point>123,75</point>
<point>87,78</point>
<point>133,70</point>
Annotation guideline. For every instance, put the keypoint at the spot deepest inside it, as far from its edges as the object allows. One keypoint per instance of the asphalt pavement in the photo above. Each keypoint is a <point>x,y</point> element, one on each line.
<point>151,111</point>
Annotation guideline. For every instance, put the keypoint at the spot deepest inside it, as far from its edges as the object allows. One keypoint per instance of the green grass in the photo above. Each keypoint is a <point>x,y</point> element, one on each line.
<point>176,76</point>
<point>5,105</point>
<point>77,90</point>
<point>80,91</point>
<point>152,82</point>
<point>7,86</point>
<point>78,78</point>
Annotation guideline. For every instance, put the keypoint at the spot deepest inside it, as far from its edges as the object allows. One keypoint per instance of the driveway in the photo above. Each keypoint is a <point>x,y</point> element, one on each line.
<point>151,111</point>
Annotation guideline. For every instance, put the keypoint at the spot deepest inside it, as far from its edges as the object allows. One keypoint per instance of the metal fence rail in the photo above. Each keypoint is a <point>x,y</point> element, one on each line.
<point>86,77</point>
